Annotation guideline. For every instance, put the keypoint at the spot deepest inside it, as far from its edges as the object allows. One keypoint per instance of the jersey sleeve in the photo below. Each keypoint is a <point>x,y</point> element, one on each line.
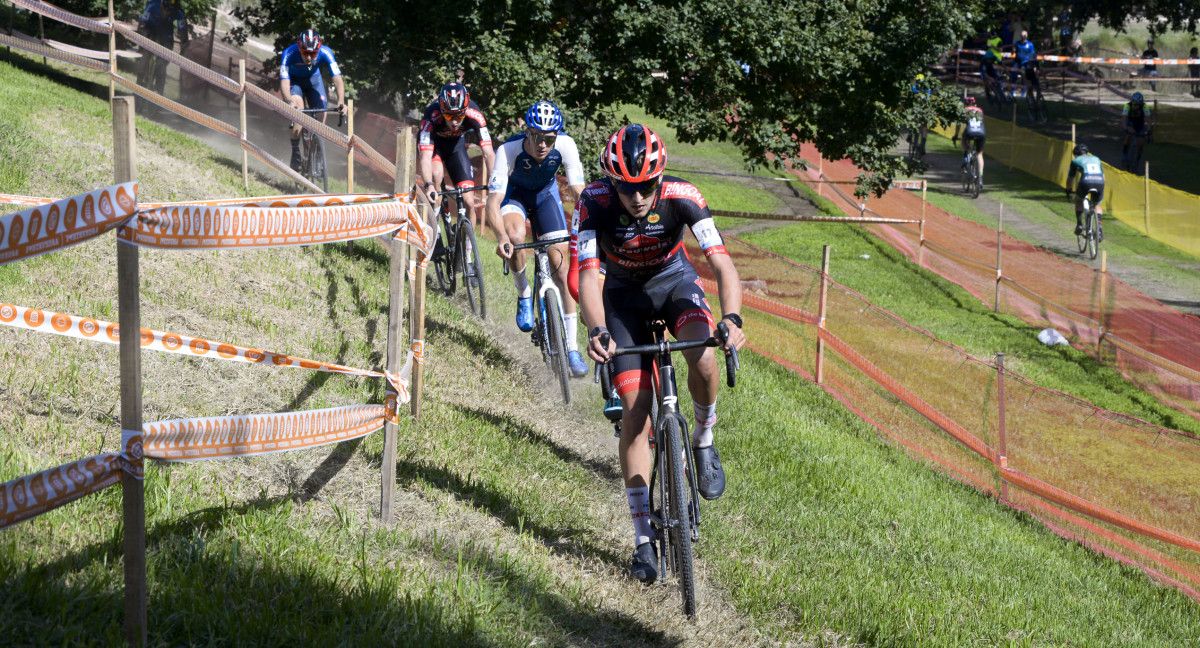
<point>475,115</point>
<point>425,133</point>
<point>588,245</point>
<point>284,62</point>
<point>570,155</point>
<point>505,158</point>
<point>328,58</point>
<point>692,209</point>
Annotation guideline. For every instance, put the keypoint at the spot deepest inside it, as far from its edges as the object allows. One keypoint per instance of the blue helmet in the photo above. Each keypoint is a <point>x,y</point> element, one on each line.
<point>544,116</point>
<point>1138,98</point>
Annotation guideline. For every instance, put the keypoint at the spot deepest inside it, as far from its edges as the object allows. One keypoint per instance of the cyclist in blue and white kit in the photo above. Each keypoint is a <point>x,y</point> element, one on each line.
<point>300,80</point>
<point>523,188</point>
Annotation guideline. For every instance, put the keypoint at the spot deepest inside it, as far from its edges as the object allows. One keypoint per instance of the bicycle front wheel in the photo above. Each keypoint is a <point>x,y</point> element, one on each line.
<point>472,268</point>
<point>679,511</point>
<point>1093,236</point>
<point>556,347</point>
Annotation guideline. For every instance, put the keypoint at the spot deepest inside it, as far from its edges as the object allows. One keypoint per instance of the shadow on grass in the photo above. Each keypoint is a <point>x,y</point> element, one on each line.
<point>563,541</point>
<point>473,341</point>
<point>521,431</point>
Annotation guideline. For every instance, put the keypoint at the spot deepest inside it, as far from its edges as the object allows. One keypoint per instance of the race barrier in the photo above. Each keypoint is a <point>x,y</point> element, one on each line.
<point>1055,58</point>
<point>1151,344</point>
<point>49,225</point>
<point>1121,486</point>
<point>358,150</point>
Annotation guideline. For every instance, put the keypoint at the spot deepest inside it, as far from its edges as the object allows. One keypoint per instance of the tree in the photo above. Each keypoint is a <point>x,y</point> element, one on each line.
<point>766,75</point>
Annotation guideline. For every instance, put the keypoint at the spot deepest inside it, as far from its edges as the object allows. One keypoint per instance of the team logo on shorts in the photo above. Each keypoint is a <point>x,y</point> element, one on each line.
<point>653,218</point>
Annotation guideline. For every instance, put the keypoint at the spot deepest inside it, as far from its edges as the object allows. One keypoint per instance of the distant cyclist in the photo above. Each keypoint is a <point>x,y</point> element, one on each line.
<point>1091,178</point>
<point>923,93</point>
<point>987,66</point>
<point>159,22</point>
<point>1027,62</point>
<point>635,219</point>
<point>1136,122</point>
<point>524,188</point>
<point>973,134</point>
<point>300,80</point>
<point>443,142</point>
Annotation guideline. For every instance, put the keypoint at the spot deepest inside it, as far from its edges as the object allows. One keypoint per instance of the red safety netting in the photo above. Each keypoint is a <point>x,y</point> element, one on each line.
<point>1119,485</point>
<point>1152,344</point>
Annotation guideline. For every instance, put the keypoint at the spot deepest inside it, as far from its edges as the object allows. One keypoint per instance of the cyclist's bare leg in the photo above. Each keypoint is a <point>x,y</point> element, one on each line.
<point>634,446</point>
<point>702,364</point>
<point>514,226</point>
<point>560,263</point>
<point>298,103</point>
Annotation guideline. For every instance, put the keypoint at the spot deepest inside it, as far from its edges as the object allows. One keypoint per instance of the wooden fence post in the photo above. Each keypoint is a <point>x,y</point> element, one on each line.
<point>350,149</point>
<point>820,172</point>
<point>1001,427</point>
<point>112,52</point>
<point>133,498</point>
<point>1072,134</point>
<point>243,131</point>
<point>999,257</point>
<point>820,372</point>
<point>1146,204</point>
<point>1103,296</point>
<point>418,323</point>
<point>921,227</point>
<point>396,338</point>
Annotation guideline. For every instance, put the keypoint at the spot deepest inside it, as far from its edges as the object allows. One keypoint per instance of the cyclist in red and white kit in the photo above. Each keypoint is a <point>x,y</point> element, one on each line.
<point>635,218</point>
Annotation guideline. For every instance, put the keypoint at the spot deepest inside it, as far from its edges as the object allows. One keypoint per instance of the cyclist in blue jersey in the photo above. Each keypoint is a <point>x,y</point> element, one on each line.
<point>636,219</point>
<point>1091,179</point>
<point>159,22</point>
<point>524,188</point>
<point>1027,61</point>
<point>300,80</point>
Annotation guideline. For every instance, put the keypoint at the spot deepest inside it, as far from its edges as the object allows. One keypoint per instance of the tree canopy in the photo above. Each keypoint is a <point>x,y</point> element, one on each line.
<point>767,75</point>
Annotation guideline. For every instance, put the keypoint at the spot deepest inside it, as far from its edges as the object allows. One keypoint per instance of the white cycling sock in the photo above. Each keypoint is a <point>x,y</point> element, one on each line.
<point>706,418</point>
<point>522,284</point>
<point>639,512</point>
<point>571,321</point>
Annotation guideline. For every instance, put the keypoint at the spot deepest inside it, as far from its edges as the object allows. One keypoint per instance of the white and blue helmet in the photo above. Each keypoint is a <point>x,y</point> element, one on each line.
<point>544,116</point>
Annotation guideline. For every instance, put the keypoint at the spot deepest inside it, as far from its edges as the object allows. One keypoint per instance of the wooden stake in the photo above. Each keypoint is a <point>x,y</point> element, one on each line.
<point>133,499</point>
<point>396,338</point>
<point>418,324</point>
<point>1146,204</point>
<point>999,254</point>
<point>1001,427</point>
<point>1103,296</point>
<point>1072,134</point>
<point>820,373</point>
<point>350,148</point>
<point>112,52</point>
<point>242,131</point>
<point>820,171</point>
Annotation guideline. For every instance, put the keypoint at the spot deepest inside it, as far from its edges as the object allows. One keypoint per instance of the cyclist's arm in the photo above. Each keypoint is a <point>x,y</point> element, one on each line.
<point>591,300</point>
<point>340,85</point>
<point>571,166</point>
<point>425,154</point>
<point>498,186</point>
<point>1070,175</point>
<point>729,288</point>
<point>285,82</point>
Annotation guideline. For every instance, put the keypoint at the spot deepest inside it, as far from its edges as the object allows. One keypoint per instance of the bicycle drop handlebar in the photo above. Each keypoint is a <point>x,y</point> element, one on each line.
<point>458,191</point>
<point>321,111</point>
<point>536,245</point>
<point>664,347</point>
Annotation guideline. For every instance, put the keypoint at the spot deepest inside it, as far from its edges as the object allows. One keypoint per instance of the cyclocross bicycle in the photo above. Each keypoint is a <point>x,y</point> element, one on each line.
<point>459,251</point>
<point>1093,233</point>
<point>971,181</point>
<point>674,498</point>
<point>549,329</point>
<point>312,151</point>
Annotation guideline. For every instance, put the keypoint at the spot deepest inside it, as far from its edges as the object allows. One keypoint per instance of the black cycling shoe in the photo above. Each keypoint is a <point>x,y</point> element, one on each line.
<point>645,563</point>
<point>296,159</point>
<point>1079,230</point>
<point>709,472</point>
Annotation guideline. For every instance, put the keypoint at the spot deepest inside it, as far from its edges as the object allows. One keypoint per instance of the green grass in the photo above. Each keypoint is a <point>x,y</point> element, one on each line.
<point>1042,203</point>
<point>510,528</point>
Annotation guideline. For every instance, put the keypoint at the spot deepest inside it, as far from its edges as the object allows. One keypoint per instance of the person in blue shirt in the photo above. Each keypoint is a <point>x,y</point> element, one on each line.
<point>300,80</point>
<point>1027,61</point>
<point>159,22</point>
<point>524,188</point>
<point>1091,180</point>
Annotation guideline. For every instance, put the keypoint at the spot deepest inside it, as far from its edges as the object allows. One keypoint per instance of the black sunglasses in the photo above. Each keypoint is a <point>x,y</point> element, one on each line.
<point>640,188</point>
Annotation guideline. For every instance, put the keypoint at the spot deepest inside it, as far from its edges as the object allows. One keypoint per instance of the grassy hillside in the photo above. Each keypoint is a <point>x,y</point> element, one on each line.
<point>510,527</point>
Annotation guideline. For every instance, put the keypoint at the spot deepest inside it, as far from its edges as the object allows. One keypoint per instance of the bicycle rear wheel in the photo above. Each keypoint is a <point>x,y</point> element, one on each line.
<point>678,508</point>
<point>556,347</point>
<point>472,268</point>
<point>976,185</point>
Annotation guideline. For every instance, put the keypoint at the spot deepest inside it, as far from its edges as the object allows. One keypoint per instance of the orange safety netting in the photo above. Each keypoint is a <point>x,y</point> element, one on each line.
<point>1119,485</point>
<point>1153,345</point>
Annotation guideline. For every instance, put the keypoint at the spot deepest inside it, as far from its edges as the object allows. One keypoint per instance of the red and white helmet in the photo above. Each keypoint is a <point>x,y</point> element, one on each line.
<point>634,154</point>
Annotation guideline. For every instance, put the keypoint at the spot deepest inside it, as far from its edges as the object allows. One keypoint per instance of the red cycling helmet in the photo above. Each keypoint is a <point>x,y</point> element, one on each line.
<point>453,99</point>
<point>970,101</point>
<point>309,42</point>
<point>634,155</point>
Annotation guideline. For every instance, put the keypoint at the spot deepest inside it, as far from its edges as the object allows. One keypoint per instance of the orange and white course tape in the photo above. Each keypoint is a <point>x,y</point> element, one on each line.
<point>62,223</point>
<point>31,495</point>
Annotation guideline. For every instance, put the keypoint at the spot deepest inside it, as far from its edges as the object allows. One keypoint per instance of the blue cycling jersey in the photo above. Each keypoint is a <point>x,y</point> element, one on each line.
<point>1026,53</point>
<point>293,68</point>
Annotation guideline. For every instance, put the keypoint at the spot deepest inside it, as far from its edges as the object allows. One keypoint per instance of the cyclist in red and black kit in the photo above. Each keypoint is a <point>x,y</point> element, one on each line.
<point>635,218</point>
<point>442,144</point>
